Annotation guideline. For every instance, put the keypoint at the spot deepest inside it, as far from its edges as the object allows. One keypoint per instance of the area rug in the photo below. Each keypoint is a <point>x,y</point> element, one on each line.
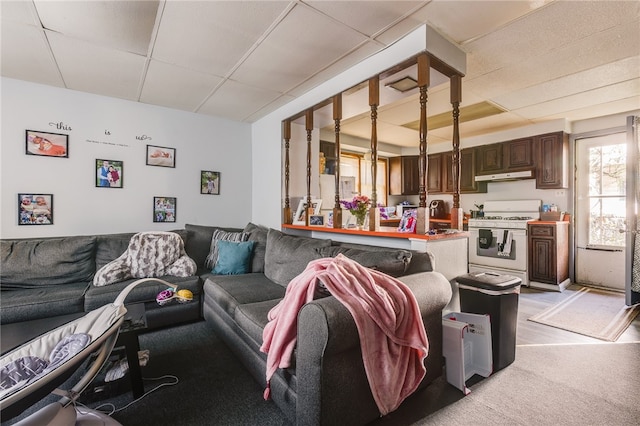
<point>592,312</point>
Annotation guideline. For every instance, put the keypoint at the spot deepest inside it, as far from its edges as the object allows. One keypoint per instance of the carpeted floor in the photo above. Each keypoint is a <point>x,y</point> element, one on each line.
<point>585,384</point>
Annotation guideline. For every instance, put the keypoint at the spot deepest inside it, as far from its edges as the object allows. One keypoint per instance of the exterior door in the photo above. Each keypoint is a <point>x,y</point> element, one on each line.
<point>601,176</point>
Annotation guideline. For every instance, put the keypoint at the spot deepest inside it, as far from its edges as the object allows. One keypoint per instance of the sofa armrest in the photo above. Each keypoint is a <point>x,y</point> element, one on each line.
<point>329,360</point>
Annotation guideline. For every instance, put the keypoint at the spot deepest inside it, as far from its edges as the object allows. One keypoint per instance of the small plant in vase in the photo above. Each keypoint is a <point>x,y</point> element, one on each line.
<point>358,207</point>
<point>480,208</point>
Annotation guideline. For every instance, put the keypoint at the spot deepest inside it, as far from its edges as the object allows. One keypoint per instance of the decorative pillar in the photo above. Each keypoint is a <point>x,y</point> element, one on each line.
<point>309,127</point>
<point>337,116</point>
<point>374,100</point>
<point>422,224</point>
<point>457,216</point>
<point>286,134</point>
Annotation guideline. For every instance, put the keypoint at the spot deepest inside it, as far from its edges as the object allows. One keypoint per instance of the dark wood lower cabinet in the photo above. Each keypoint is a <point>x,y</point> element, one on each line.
<point>549,255</point>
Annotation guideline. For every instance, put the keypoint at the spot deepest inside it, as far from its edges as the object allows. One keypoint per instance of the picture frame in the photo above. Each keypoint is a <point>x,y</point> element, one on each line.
<point>46,144</point>
<point>408,221</point>
<point>109,173</point>
<point>316,220</point>
<point>164,209</point>
<point>209,182</point>
<point>161,156</point>
<point>35,209</point>
<point>301,211</point>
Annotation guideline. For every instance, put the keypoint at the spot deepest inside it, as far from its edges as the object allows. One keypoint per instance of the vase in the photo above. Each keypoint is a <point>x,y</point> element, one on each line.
<point>360,221</point>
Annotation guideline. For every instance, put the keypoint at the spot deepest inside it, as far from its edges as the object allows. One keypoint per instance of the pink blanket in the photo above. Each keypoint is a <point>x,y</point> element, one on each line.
<point>392,335</point>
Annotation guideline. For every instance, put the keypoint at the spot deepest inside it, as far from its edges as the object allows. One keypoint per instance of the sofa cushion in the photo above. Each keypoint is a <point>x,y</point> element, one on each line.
<point>257,234</point>
<point>42,302</point>
<point>392,262</point>
<point>109,247</point>
<point>145,292</point>
<point>233,258</point>
<point>252,318</point>
<point>46,262</point>
<point>229,291</point>
<point>198,242</point>
<point>287,256</point>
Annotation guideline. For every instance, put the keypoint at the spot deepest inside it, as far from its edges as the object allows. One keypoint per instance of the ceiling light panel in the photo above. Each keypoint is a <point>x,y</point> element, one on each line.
<point>212,36</point>
<point>122,25</point>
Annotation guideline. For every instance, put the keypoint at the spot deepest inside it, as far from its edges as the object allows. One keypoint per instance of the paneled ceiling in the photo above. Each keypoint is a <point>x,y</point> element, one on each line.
<point>537,60</point>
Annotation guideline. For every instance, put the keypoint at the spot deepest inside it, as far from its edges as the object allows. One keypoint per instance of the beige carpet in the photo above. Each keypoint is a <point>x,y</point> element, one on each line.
<point>592,312</point>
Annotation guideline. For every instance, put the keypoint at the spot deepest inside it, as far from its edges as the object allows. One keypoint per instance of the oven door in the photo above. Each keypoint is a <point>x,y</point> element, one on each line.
<point>499,248</point>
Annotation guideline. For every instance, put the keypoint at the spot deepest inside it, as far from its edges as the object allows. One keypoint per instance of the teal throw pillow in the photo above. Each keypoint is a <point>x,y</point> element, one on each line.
<point>233,258</point>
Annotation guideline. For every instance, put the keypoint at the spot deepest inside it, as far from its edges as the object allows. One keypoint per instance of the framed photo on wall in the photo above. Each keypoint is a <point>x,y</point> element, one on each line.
<point>209,182</point>
<point>161,156</point>
<point>35,209</point>
<point>164,209</point>
<point>301,212</point>
<point>109,173</point>
<point>46,144</point>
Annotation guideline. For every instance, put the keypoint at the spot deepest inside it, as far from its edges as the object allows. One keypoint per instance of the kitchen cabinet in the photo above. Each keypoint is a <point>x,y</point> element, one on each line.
<point>519,154</point>
<point>552,151</point>
<point>468,167</point>
<point>548,254</point>
<point>434,173</point>
<point>404,177</point>
<point>491,158</point>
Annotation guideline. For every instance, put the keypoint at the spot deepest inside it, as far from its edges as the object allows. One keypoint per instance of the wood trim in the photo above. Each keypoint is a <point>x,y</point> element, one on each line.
<point>286,133</point>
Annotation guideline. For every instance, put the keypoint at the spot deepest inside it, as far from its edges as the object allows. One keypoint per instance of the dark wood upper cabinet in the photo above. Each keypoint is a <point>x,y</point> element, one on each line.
<point>468,167</point>
<point>404,177</point>
<point>519,154</point>
<point>434,173</point>
<point>491,158</point>
<point>552,152</point>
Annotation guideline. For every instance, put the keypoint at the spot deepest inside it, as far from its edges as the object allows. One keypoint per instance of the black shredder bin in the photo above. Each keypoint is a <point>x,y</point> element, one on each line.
<point>496,295</point>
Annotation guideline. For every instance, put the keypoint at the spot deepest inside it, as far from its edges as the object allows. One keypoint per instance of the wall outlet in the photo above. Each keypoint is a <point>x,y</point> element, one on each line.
<point>560,193</point>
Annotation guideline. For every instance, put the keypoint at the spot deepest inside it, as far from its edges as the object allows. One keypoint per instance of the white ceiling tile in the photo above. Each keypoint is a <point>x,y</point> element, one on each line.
<point>19,11</point>
<point>369,18</point>
<point>606,94</point>
<point>604,75</point>
<point>629,105</point>
<point>176,87</point>
<point>124,25</point>
<point>213,36</point>
<point>234,99</point>
<point>293,51</point>
<point>95,69</point>
<point>26,56</point>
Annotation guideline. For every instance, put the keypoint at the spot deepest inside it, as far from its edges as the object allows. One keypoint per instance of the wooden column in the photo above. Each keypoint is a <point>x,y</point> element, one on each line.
<point>337,116</point>
<point>286,134</point>
<point>422,224</point>
<point>374,101</point>
<point>308,122</point>
<point>457,215</point>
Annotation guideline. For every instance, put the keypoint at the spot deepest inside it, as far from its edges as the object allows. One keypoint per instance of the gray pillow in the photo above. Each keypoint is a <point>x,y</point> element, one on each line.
<point>257,234</point>
<point>287,255</point>
<point>218,235</point>
<point>392,262</point>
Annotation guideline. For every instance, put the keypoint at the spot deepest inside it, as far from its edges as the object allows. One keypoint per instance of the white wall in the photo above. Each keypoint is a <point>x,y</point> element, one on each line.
<point>201,143</point>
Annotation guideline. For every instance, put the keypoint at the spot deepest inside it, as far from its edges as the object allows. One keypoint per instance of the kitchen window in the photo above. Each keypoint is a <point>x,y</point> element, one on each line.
<point>359,166</point>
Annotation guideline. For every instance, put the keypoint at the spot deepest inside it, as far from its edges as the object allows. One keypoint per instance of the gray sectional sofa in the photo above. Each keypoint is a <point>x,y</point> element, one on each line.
<point>326,384</point>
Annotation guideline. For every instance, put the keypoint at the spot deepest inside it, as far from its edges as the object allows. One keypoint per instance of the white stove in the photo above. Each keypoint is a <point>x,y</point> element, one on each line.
<point>498,241</point>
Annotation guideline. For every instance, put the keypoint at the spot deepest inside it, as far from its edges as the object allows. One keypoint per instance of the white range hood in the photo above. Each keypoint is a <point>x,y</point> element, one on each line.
<point>525,174</point>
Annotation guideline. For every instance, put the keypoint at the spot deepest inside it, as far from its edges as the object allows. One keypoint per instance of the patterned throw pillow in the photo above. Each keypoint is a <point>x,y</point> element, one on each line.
<point>218,235</point>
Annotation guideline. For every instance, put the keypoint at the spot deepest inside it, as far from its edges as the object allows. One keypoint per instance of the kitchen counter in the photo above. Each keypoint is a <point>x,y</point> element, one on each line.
<point>385,232</point>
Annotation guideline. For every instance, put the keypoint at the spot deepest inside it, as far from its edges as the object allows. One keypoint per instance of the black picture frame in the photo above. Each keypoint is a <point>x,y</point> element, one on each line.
<point>46,144</point>
<point>112,176</point>
<point>165,209</point>
<point>35,209</point>
<point>161,156</point>
<point>209,182</point>
<point>316,220</point>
